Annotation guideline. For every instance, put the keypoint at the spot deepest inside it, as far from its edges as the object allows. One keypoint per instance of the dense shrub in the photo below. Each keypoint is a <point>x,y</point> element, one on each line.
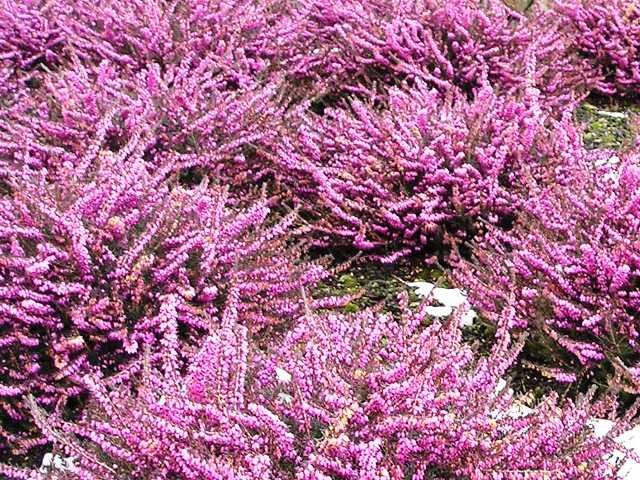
<point>191,81</point>
<point>93,267</point>
<point>572,262</point>
<point>138,33</point>
<point>197,76</point>
<point>608,32</point>
<point>402,176</point>
<point>359,46</point>
<point>183,119</point>
<point>157,161</point>
<point>350,397</point>
<point>29,41</point>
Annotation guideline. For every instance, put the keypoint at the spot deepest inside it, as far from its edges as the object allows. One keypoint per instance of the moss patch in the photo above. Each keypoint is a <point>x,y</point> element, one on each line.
<point>608,123</point>
<point>380,284</point>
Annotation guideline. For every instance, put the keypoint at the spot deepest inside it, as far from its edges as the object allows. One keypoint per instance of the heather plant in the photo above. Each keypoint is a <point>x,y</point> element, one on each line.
<point>341,396</point>
<point>403,176</point>
<point>609,34</point>
<point>356,47</point>
<point>144,266</point>
<point>95,265</point>
<point>195,81</point>
<point>323,47</point>
<point>28,42</point>
<point>239,35</point>
<point>572,260</point>
<point>409,399</point>
<point>182,118</point>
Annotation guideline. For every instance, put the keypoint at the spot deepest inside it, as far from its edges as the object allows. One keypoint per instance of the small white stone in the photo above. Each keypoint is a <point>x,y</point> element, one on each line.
<point>47,460</point>
<point>282,375</point>
<point>468,317</point>
<point>423,289</point>
<point>613,160</point>
<point>517,407</point>
<point>56,462</point>
<point>285,398</point>
<point>630,439</point>
<point>450,297</point>
<point>518,410</point>
<point>439,311</point>
<point>600,426</point>
<point>59,463</point>
<point>629,471</point>
<point>604,113</point>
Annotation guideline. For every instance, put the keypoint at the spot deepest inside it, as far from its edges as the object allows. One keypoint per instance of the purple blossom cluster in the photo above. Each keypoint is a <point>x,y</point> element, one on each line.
<point>361,46</point>
<point>608,33</point>
<point>190,82</point>
<point>349,397</point>
<point>422,167</point>
<point>28,39</point>
<point>572,261</point>
<point>96,265</point>
<point>180,119</point>
<point>173,172</point>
